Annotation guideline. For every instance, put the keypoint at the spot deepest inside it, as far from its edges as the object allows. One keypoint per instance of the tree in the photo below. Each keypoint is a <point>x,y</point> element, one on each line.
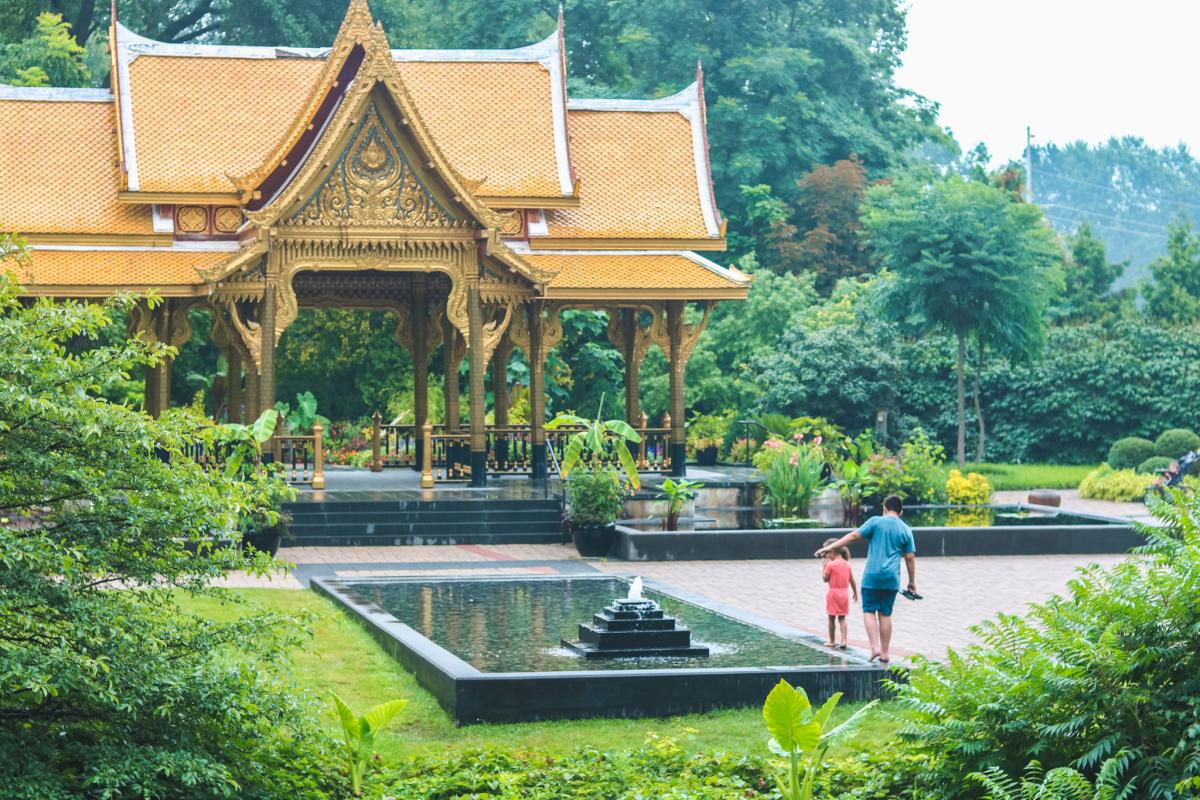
<point>49,56</point>
<point>827,211</point>
<point>1089,277</point>
<point>965,260</point>
<point>107,687</point>
<point>1173,291</point>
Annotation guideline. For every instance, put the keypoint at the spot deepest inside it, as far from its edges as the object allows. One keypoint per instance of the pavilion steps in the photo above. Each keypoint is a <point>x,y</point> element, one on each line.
<point>422,522</point>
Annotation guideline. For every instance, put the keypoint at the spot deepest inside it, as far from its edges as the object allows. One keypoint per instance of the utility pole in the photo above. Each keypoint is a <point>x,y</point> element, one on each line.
<point>1028,165</point>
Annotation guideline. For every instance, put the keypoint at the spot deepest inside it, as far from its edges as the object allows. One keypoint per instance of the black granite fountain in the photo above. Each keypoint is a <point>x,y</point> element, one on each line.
<point>634,627</point>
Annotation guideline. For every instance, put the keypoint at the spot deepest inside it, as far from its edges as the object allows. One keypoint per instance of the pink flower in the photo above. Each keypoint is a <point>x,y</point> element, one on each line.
<point>772,443</point>
<point>817,440</point>
<point>799,437</point>
<point>795,458</point>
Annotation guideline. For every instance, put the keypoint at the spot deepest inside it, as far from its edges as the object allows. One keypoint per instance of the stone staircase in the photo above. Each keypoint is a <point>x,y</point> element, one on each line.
<point>376,522</point>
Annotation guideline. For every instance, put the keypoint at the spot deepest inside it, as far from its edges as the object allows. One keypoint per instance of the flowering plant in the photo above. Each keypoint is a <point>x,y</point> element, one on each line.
<point>793,474</point>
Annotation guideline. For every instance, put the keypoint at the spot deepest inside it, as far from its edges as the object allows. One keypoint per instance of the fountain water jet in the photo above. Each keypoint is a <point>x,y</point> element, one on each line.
<point>633,627</point>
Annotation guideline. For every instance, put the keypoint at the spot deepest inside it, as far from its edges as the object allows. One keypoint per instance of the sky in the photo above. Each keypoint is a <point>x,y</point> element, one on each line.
<point>1069,69</point>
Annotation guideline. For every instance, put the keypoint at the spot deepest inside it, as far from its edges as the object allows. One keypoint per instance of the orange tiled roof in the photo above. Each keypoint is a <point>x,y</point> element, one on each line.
<point>203,113</point>
<point>136,268</point>
<point>635,270</point>
<point>58,165</point>
<point>638,175</point>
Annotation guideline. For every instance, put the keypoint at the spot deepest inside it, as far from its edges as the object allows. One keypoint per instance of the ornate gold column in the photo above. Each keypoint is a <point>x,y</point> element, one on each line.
<point>476,399</point>
<point>233,384</point>
<point>419,316</point>
<point>678,341</point>
<point>266,377</point>
<point>537,391</point>
<point>253,411</point>
<point>166,323</point>
<point>633,340</point>
<point>452,354</point>
<point>678,365</point>
<point>500,398</point>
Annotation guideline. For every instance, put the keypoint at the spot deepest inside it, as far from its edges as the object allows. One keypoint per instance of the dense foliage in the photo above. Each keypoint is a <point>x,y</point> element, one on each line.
<point>1108,670</point>
<point>108,688</point>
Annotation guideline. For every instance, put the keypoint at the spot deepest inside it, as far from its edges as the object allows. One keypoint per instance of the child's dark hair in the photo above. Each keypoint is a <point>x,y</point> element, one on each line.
<point>893,503</point>
<point>844,552</point>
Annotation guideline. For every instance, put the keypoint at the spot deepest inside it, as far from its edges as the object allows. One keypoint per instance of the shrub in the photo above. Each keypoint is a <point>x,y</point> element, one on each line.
<point>1175,442</point>
<point>595,497</point>
<point>1153,464</point>
<point>971,489</point>
<point>1120,485</point>
<point>921,464</point>
<point>883,475</point>
<point>1107,670</point>
<point>793,475</point>
<point>707,430</point>
<point>1127,453</point>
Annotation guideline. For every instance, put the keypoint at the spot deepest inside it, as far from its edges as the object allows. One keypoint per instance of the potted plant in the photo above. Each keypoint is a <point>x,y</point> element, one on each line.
<point>677,494</point>
<point>705,435</point>
<point>595,492</point>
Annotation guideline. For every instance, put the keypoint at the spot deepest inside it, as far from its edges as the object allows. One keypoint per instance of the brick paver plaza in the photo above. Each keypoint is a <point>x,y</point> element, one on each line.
<point>958,591</point>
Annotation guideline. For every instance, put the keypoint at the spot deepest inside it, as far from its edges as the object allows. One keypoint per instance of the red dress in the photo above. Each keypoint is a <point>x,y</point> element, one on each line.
<point>837,599</point>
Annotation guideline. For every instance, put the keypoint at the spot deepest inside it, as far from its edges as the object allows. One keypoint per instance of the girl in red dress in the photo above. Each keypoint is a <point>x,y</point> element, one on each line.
<point>840,578</point>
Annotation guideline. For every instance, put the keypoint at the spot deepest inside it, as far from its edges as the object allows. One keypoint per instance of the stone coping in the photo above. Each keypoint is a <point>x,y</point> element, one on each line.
<point>471,696</point>
<point>1107,535</point>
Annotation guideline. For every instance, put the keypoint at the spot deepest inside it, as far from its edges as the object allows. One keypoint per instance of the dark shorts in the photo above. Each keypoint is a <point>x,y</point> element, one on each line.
<point>880,600</point>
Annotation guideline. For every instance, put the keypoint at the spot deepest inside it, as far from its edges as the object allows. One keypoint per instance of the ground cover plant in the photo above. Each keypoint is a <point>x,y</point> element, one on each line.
<point>108,686</point>
<point>1108,670</point>
<point>1020,477</point>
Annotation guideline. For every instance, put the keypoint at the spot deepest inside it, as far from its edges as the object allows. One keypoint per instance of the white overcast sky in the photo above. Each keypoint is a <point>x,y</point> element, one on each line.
<point>1070,69</point>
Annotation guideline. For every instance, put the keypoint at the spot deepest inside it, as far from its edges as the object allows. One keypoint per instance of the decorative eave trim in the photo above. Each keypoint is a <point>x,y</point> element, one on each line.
<point>543,243</point>
<point>500,202</point>
<point>731,293</point>
<point>181,198</point>
<point>123,43</point>
<point>690,103</point>
<point>72,290</point>
<point>734,276</point>
<point>54,94</point>
<point>88,241</point>
<point>171,246</point>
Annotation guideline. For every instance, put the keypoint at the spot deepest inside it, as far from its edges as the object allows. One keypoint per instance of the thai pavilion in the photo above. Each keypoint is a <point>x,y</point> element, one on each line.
<point>461,188</point>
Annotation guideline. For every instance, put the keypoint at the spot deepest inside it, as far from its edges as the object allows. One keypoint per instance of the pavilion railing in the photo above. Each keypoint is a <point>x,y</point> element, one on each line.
<point>301,457</point>
<point>509,449</point>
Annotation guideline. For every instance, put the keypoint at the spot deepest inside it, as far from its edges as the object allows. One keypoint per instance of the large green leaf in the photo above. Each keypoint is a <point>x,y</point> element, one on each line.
<point>628,464</point>
<point>382,714</point>
<point>565,419</point>
<point>785,712</point>
<point>349,720</point>
<point>623,429</point>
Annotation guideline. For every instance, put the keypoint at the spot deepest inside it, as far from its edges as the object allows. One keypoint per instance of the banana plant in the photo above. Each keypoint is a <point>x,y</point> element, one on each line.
<point>677,494</point>
<point>595,439</point>
<point>798,733</point>
<point>360,735</point>
<point>247,440</point>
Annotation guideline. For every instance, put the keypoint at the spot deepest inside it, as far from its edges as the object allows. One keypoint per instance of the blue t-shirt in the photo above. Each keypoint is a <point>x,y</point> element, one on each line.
<point>888,539</point>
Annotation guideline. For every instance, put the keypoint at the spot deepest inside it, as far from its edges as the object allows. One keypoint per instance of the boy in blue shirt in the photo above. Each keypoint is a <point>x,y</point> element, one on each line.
<point>888,540</point>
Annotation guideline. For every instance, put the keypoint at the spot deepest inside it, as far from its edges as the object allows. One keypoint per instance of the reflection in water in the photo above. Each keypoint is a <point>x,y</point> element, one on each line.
<point>517,625</point>
<point>833,516</point>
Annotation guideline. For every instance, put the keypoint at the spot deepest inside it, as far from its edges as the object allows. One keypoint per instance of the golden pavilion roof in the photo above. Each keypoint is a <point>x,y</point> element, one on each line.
<point>152,184</point>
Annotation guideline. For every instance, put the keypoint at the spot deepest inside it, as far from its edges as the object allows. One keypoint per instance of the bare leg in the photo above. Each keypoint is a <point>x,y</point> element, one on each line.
<point>830,642</point>
<point>845,631</point>
<point>885,636</point>
<point>871,622</point>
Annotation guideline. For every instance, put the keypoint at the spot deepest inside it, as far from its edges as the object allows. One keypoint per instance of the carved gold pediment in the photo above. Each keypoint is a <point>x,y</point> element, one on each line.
<point>373,183</point>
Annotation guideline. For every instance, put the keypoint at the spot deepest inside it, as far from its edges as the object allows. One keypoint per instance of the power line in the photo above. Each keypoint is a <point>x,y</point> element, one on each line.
<point>1115,229</point>
<point>1092,214</point>
<point>1113,189</point>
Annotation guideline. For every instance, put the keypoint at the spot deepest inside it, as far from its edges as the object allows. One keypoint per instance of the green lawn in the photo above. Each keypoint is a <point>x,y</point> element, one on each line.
<point>1021,477</point>
<point>342,657</point>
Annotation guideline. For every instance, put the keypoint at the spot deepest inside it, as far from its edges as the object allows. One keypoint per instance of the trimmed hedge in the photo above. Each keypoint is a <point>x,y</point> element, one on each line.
<point>1174,443</point>
<point>1153,464</point>
<point>1129,452</point>
<point>1122,485</point>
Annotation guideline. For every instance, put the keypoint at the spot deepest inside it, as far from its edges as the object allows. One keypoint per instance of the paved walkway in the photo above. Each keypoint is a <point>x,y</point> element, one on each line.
<point>959,592</point>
